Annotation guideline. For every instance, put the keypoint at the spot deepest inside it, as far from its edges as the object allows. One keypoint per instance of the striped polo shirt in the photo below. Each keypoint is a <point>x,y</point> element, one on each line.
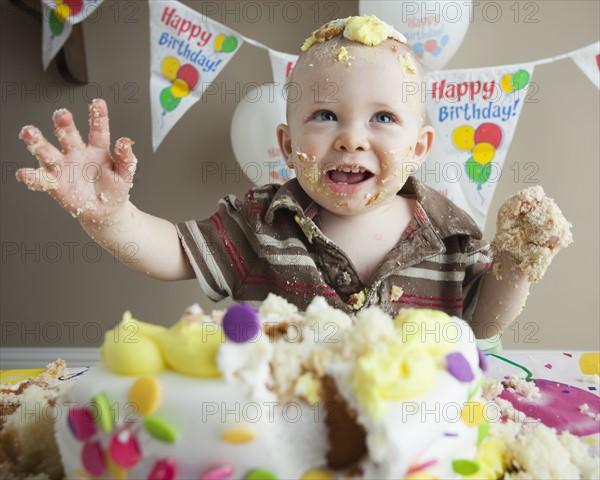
<point>270,242</point>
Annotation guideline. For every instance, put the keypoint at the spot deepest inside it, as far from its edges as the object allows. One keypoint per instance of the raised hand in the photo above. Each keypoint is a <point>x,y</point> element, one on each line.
<point>86,180</point>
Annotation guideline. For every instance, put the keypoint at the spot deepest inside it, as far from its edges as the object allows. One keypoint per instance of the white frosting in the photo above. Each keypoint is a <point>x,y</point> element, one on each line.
<point>256,394</point>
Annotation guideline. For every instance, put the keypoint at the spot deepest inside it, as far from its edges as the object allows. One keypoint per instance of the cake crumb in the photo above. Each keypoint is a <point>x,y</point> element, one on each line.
<point>397,293</point>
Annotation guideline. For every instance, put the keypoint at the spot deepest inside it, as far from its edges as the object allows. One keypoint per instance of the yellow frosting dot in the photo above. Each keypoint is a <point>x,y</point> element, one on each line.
<point>145,395</point>
<point>473,414</point>
<point>131,348</point>
<point>237,436</point>
<point>191,348</point>
<point>590,363</point>
<point>366,29</point>
<point>317,475</point>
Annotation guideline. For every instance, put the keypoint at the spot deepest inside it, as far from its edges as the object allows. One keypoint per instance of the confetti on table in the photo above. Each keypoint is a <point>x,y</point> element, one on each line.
<point>548,366</point>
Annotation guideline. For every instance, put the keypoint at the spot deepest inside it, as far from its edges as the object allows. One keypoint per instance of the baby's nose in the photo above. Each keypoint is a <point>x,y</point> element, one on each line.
<point>351,138</point>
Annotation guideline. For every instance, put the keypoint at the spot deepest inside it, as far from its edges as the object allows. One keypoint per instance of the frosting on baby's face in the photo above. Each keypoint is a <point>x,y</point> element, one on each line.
<point>355,122</point>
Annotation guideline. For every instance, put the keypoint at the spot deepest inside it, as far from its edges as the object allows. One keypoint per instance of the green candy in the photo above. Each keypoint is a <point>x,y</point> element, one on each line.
<point>482,432</point>
<point>160,429</point>
<point>104,412</point>
<point>260,474</point>
<point>465,467</point>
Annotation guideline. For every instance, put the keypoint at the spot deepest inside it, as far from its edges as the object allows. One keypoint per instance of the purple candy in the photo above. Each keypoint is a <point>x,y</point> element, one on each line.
<point>241,323</point>
<point>483,363</point>
<point>459,367</point>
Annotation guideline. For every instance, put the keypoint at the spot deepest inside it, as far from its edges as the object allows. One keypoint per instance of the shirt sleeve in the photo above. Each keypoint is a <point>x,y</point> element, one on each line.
<point>477,264</point>
<point>219,249</point>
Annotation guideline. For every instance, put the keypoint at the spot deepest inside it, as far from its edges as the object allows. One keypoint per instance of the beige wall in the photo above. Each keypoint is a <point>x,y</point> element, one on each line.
<point>57,289</point>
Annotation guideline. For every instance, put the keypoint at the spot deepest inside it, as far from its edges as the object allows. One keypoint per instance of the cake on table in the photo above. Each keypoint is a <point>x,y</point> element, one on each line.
<point>278,394</point>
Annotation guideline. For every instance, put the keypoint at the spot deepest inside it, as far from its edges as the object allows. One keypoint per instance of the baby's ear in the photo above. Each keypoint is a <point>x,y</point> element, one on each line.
<point>285,143</point>
<point>424,143</point>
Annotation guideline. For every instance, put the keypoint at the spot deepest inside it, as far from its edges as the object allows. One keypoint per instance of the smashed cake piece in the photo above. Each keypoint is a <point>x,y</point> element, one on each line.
<point>531,227</point>
<point>28,413</point>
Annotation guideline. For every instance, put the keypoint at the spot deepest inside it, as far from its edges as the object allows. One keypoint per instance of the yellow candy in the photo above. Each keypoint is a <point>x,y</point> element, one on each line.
<point>145,395</point>
<point>473,414</point>
<point>191,348</point>
<point>115,472</point>
<point>131,347</point>
<point>238,436</point>
<point>366,29</point>
<point>590,363</point>
<point>317,475</point>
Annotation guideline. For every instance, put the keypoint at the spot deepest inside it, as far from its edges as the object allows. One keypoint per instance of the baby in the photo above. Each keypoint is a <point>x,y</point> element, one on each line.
<point>353,227</point>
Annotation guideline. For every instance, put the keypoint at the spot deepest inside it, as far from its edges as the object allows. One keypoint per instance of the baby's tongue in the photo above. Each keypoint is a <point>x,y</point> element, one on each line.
<point>338,176</point>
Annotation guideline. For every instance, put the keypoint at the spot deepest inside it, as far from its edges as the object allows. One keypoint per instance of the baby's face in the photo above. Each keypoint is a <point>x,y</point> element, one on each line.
<point>354,131</point>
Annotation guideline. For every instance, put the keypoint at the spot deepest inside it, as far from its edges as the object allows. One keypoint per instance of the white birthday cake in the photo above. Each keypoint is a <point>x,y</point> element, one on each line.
<point>275,394</point>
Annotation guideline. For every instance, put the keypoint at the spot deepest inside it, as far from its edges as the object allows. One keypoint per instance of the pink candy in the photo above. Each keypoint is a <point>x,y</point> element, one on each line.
<point>222,472</point>
<point>81,423</point>
<point>93,459</point>
<point>124,449</point>
<point>164,470</point>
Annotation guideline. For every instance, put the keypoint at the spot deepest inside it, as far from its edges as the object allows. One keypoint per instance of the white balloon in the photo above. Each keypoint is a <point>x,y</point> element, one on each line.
<point>434,28</point>
<point>254,138</point>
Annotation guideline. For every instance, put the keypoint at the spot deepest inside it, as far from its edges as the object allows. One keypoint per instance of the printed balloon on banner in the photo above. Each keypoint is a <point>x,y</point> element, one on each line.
<point>184,79</point>
<point>434,28</point>
<point>253,135</point>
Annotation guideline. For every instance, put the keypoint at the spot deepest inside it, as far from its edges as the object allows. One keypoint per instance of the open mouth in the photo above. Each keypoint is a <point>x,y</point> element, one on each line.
<point>349,175</point>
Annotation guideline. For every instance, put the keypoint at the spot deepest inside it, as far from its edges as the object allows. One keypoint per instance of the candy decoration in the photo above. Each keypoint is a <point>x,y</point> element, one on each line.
<point>241,323</point>
<point>222,472</point>
<point>459,367</point>
<point>165,469</point>
<point>465,467</point>
<point>473,414</point>
<point>92,458</point>
<point>124,449</point>
<point>260,474</point>
<point>421,466</point>
<point>482,432</point>
<point>589,363</point>
<point>104,412</point>
<point>161,429</point>
<point>145,395</point>
<point>238,436</point>
<point>114,471</point>
<point>81,423</point>
<point>317,475</point>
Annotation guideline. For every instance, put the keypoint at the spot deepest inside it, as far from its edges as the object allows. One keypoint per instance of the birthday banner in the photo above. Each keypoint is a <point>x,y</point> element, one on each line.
<point>188,50</point>
<point>588,59</point>
<point>475,114</point>
<point>282,65</point>
<point>58,18</point>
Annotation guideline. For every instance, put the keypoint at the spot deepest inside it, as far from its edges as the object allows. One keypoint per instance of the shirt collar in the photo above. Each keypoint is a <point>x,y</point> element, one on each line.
<point>434,208</point>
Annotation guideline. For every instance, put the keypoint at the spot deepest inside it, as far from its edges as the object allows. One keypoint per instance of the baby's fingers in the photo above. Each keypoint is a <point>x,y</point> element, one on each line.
<point>66,131</point>
<point>46,153</point>
<point>38,179</point>
<point>125,161</point>
<point>99,131</point>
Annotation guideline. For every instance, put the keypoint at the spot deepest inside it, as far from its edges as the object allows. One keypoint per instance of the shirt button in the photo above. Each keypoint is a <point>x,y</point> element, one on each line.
<point>343,279</point>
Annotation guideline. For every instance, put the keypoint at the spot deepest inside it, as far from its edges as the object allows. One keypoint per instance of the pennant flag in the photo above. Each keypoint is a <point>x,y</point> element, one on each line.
<point>73,11</point>
<point>187,52</point>
<point>475,113</point>
<point>282,65</point>
<point>588,59</point>
<point>57,23</point>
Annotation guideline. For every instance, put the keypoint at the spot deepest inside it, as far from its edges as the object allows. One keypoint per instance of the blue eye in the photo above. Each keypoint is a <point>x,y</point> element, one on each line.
<point>325,116</point>
<point>383,117</point>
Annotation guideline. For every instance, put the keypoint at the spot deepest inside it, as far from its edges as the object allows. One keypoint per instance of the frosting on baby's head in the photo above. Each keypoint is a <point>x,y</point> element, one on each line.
<point>367,29</point>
